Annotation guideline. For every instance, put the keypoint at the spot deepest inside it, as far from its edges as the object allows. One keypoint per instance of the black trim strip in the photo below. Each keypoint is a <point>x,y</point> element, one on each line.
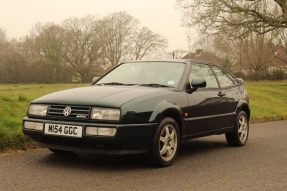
<point>209,116</point>
<point>94,151</point>
<point>208,133</point>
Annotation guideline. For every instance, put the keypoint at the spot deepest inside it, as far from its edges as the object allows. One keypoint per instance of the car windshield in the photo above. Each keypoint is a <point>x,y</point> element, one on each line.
<point>155,74</point>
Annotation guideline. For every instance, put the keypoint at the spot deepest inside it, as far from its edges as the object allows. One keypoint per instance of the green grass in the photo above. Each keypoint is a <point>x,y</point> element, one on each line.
<point>268,101</point>
<point>14,100</point>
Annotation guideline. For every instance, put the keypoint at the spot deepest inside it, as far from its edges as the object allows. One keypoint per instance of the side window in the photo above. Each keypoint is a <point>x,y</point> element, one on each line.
<point>223,78</point>
<point>203,71</point>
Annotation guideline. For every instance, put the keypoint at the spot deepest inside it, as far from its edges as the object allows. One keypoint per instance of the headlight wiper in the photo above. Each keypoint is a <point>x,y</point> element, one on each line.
<point>156,85</point>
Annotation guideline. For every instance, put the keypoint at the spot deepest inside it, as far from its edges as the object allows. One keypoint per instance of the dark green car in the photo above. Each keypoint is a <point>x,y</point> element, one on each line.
<point>142,107</point>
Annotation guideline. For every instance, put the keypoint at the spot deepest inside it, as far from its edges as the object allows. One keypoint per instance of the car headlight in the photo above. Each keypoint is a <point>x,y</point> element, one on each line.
<point>38,109</point>
<point>105,114</point>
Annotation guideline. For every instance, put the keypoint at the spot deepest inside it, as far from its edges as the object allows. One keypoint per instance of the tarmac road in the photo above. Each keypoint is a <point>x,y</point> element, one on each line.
<point>203,164</point>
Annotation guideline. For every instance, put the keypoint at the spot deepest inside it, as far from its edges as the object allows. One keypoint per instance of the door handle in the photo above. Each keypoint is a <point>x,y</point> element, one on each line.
<point>221,94</point>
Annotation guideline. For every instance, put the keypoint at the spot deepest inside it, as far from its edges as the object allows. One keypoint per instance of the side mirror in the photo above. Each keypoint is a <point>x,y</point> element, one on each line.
<point>240,80</point>
<point>95,79</point>
<point>196,83</point>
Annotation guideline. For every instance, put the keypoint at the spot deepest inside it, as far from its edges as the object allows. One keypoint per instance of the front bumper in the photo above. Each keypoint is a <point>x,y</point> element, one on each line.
<point>129,139</point>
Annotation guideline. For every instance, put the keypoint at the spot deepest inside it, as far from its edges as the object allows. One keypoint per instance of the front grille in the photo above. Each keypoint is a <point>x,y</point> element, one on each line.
<point>77,112</point>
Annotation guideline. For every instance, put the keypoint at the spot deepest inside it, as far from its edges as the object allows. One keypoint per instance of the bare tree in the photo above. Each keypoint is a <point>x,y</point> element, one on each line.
<point>47,49</point>
<point>249,54</point>
<point>256,54</point>
<point>146,41</point>
<point>250,27</point>
<point>118,29</point>
<point>79,48</point>
<point>2,36</point>
<point>83,46</point>
<point>235,18</point>
<point>12,62</point>
<point>3,45</point>
<point>279,45</point>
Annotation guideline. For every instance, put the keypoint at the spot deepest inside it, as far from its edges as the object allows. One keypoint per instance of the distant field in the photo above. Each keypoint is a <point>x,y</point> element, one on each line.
<point>268,102</point>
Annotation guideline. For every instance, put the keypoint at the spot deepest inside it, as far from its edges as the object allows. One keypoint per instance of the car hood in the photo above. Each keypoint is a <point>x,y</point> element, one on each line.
<point>110,96</point>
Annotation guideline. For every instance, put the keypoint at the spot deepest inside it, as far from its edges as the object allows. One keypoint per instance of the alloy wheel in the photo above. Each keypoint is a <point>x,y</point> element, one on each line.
<point>243,128</point>
<point>168,142</point>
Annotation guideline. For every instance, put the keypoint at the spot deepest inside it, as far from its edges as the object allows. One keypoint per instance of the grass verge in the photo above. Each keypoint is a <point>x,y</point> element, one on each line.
<point>14,100</point>
<point>268,100</point>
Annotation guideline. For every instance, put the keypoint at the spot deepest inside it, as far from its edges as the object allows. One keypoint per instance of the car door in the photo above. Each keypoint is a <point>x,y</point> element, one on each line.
<point>204,103</point>
<point>229,99</point>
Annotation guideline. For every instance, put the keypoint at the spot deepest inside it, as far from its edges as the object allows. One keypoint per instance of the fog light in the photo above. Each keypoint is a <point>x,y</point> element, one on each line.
<point>91,131</point>
<point>101,131</point>
<point>107,131</point>
<point>33,125</point>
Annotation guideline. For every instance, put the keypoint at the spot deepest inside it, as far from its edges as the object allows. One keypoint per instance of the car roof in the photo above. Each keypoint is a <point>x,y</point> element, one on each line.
<point>171,60</point>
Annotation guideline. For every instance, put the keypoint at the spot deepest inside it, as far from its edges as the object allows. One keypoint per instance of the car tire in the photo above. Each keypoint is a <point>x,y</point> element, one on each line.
<point>240,133</point>
<point>165,144</point>
<point>62,152</point>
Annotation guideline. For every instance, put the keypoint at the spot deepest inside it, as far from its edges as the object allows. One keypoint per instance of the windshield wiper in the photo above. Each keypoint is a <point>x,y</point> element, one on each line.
<point>156,85</point>
<point>148,85</point>
<point>115,83</point>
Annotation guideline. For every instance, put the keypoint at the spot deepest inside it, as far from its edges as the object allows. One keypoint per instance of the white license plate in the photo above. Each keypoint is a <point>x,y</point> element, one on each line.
<point>63,130</point>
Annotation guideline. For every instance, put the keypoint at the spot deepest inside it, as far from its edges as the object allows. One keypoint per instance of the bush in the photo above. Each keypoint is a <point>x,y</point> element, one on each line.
<point>18,141</point>
<point>278,75</point>
<point>22,98</point>
<point>257,75</point>
<point>265,75</point>
<point>7,99</point>
<point>239,75</point>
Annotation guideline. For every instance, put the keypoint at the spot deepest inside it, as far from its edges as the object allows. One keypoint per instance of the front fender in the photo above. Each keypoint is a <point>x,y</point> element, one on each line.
<point>163,108</point>
<point>243,105</point>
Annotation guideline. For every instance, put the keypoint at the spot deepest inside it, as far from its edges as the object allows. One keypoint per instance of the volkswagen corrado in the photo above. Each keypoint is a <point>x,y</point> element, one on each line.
<point>143,107</point>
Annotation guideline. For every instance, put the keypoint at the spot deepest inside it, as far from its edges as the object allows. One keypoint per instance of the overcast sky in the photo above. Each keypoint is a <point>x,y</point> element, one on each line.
<point>17,17</point>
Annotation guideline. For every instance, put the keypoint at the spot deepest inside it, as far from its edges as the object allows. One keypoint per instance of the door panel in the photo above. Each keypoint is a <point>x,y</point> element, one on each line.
<point>229,98</point>
<point>204,108</point>
<point>229,104</point>
<point>204,103</point>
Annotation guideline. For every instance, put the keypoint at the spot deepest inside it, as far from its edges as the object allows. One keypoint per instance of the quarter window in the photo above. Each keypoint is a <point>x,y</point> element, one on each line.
<point>203,71</point>
<point>223,79</point>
